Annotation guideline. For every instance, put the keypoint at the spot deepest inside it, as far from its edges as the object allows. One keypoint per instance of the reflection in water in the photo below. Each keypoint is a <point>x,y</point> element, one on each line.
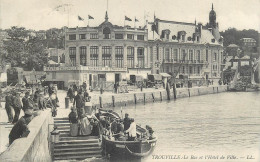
<point>223,123</point>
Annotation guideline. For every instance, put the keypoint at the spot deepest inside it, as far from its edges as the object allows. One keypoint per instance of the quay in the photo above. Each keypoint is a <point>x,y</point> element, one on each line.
<point>36,147</point>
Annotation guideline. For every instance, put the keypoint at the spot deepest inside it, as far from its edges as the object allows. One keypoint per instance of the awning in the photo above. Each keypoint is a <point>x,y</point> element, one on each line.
<point>165,75</point>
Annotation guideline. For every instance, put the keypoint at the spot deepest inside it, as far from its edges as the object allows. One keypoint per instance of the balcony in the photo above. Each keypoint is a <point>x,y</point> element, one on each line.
<point>190,61</point>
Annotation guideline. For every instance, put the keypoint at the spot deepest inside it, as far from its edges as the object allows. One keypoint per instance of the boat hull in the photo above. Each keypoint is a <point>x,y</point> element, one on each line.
<point>127,150</point>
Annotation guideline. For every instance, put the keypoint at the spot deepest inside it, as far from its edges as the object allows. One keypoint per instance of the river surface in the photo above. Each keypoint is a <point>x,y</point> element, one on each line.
<point>224,124</point>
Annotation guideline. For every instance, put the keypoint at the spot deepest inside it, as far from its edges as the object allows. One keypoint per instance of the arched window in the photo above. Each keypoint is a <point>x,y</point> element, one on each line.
<point>106,33</point>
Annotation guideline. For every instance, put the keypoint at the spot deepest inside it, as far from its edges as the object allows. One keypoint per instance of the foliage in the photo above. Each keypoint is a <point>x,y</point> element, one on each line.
<point>24,49</point>
<point>232,35</point>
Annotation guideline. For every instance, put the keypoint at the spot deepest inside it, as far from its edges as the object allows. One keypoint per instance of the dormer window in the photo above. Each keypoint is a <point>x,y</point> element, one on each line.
<point>106,33</point>
<point>166,34</point>
<point>189,38</point>
<point>213,40</point>
<point>181,35</point>
<point>174,37</point>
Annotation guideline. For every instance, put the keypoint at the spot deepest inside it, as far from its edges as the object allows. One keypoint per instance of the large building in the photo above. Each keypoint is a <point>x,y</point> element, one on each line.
<point>187,50</point>
<point>106,53</point>
<point>110,53</point>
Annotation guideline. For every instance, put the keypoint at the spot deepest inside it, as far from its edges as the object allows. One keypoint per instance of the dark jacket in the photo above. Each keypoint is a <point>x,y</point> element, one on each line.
<point>80,101</point>
<point>8,101</point>
<point>127,123</point>
<point>73,118</point>
<point>20,128</point>
<point>26,103</point>
<point>17,103</point>
<point>114,127</point>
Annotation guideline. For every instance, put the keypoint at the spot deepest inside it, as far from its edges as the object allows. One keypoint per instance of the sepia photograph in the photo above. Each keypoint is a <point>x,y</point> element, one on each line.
<point>129,81</point>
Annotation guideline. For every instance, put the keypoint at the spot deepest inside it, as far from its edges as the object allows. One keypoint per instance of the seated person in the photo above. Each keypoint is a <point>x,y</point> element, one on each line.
<point>20,129</point>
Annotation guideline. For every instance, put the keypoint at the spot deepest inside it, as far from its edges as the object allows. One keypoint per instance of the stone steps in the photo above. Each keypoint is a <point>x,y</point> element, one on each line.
<point>74,148</point>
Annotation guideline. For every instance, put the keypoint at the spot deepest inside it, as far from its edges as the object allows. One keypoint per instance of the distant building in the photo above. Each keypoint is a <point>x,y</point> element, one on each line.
<point>188,50</point>
<point>56,55</point>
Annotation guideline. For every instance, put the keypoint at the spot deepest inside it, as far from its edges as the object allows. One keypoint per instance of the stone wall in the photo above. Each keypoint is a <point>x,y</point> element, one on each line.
<point>35,146</point>
<point>146,97</point>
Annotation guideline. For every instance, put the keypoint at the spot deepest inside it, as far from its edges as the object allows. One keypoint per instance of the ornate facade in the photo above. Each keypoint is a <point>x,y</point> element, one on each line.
<point>186,49</point>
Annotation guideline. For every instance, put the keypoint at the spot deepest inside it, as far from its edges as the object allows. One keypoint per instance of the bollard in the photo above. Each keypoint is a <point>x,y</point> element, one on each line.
<point>161,96</point>
<point>135,98</point>
<point>153,97</point>
<point>67,102</point>
<point>174,91</point>
<point>189,91</point>
<point>217,89</point>
<point>213,89</point>
<point>199,91</point>
<point>100,102</point>
<point>144,98</point>
<point>113,101</point>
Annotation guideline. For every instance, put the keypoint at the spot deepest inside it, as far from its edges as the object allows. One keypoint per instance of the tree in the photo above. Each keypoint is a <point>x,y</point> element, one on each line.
<point>24,49</point>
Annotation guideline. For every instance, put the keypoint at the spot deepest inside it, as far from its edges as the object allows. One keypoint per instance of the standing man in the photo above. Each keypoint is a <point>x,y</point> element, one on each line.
<point>9,106</point>
<point>26,103</point>
<point>17,106</point>
<point>126,122</point>
<point>79,101</point>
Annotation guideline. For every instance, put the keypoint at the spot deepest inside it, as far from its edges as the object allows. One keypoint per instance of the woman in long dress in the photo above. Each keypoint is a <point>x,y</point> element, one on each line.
<point>84,126</point>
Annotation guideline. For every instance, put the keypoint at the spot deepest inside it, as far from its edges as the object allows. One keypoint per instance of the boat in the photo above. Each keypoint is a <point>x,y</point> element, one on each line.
<point>137,149</point>
<point>126,150</point>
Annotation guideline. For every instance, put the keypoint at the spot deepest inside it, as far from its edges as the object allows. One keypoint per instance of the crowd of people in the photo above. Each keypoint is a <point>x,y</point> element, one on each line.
<point>31,103</point>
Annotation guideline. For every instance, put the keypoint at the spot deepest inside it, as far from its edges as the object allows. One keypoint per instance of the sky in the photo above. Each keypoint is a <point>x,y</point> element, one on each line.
<point>41,14</point>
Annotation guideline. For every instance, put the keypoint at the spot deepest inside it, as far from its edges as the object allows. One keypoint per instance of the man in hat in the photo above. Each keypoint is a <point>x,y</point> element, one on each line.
<point>9,106</point>
<point>41,103</point>
<point>20,129</point>
<point>17,106</point>
<point>26,103</point>
<point>79,101</point>
<point>126,122</point>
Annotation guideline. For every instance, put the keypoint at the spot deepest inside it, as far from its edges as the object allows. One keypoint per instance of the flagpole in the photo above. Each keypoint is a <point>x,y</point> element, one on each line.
<point>88,20</point>
<point>134,21</point>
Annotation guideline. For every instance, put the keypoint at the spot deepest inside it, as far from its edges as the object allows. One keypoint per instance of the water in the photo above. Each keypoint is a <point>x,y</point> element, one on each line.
<point>217,124</point>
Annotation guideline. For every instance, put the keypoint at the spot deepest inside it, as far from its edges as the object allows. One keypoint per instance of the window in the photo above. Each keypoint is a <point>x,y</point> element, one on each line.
<point>167,69</point>
<point>119,36</point>
<point>83,55</point>
<point>94,55</point>
<point>167,54</point>
<point>198,55</point>
<point>183,38</point>
<point>151,54</point>
<point>106,55</point>
<point>157,53</point>
<point>119,51</point>
<point>130,36</point>
<point>140,57</point>
<point>82,36</point>
<point>207,55</point>
<point>198,38</point>
<point>72,55</point>
<point>190,72</point>
<point>183,70</point>
<point>175,54</point>
<point>72,37</point>
<point>215,56</point>
<point>130,57</point>
<point>93,36</point>
<point>198,70</point>
<point>140,37</point>
<point>221,55</point>
<point>106,33</point>
<point>183,55</point>
<point>191,55</point>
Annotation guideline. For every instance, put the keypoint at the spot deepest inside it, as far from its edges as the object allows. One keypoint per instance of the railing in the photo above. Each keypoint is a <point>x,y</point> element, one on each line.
<point>190,61</point>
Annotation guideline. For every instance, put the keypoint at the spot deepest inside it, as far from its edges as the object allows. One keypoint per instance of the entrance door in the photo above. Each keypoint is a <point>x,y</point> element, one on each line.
<point>117,78</point>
